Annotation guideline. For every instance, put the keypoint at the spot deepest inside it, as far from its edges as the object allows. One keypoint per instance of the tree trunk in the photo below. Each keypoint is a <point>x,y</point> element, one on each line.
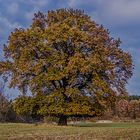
<point>134,114</point>
<point>62,120</point>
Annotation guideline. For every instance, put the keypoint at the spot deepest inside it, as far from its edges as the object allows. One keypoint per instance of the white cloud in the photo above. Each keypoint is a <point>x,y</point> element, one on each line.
<point>118,11</point>
<point>6,26</point>
<point>36,6</point>
<point>39,3</point>
<point>29,15</point>
<point>72,3</point>
<point>76,3</point>
<point>6,23</point>
<point>13,8</point>
<point>111,11</point>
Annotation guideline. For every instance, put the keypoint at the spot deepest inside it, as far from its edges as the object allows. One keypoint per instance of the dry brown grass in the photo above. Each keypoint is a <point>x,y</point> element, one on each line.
<point>82,131</point>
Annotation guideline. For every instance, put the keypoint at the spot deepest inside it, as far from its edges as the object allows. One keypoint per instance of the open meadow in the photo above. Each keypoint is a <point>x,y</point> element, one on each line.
<point>80,131</point>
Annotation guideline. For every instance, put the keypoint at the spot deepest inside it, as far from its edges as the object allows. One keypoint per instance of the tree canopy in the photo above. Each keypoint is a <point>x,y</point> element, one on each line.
<point>69,59</point>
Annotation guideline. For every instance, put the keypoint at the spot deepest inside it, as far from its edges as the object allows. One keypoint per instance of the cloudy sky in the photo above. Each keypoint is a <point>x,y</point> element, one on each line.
<point>121,17</point>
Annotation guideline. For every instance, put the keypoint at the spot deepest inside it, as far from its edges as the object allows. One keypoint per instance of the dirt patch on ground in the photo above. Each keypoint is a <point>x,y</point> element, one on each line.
<point>104,121</point>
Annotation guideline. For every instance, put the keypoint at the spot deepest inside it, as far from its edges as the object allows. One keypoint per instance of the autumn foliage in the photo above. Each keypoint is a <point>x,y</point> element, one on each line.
<point>70,60</point>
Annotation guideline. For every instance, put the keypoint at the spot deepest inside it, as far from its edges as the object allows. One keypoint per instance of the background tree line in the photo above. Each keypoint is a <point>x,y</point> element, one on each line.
<point>126,107</point>
<point>18,111</point>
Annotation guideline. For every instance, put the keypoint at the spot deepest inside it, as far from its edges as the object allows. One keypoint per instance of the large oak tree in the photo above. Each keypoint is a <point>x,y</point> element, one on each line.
<point>70,60</point>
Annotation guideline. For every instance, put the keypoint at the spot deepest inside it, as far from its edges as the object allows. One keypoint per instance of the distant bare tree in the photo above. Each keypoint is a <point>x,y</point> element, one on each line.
<point>4,105</point>
<point>6,111</point>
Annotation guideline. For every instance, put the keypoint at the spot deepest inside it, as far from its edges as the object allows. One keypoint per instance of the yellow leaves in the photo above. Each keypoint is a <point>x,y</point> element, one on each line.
<point>78,63</point>
<point>79,109</point>
<point>70,58</point>
<point>98,112</point>
<point>57,33</point>
<point>5,66</point>
<point>74,63</point>
<point>72,92</point>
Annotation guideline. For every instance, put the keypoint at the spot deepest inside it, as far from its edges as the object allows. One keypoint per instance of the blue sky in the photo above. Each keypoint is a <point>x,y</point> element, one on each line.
<point>121,17</point>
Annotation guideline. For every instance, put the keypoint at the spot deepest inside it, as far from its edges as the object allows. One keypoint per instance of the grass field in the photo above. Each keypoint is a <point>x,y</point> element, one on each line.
<point>82,131</point>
